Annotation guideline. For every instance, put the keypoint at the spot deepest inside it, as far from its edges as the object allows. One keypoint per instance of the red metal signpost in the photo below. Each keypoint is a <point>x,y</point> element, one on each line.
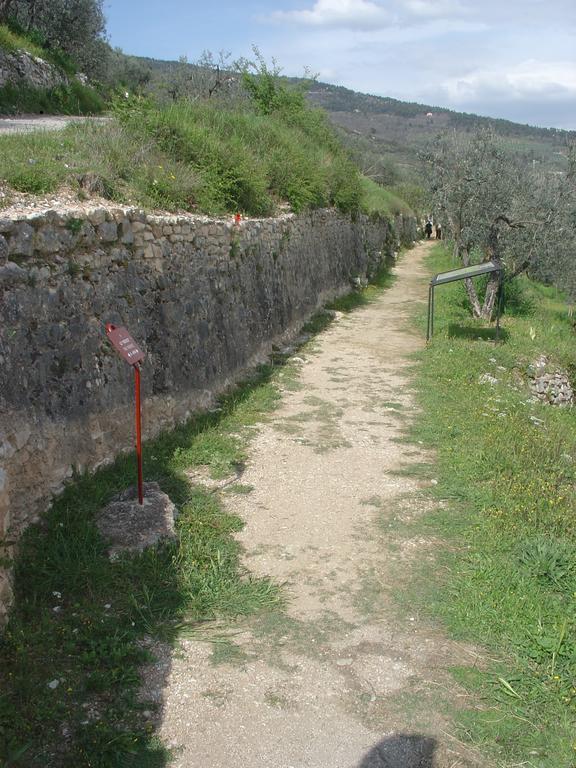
<point>129,350</point>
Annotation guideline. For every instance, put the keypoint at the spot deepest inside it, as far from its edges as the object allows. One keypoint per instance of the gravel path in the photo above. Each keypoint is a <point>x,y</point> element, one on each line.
<point>29,123</point>
<point>342,679</point>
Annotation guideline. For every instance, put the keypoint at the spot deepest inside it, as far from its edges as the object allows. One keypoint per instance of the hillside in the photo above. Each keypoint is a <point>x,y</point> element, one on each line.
<point>379,129</point>
<point>398,129</point>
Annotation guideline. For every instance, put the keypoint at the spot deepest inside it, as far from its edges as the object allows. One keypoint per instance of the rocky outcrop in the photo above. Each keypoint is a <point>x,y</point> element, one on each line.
<point>21,68</point>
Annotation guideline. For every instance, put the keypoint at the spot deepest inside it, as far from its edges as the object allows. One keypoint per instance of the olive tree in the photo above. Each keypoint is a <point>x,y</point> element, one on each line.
<point>556,261</point>
<point>77,27</point>
<point>495,206</point>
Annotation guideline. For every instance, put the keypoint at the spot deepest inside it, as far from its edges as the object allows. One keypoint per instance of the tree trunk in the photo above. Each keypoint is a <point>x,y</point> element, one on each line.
<point>5,8</point>
<point>473,298</point>
<point>490,297</point>
<point>464,256</point>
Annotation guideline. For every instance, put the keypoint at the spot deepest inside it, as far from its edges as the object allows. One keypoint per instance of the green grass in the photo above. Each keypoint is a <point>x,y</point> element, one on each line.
<point>379,200</point>
<point>508,579</point>
<point>13,38</point>
<point>92,643</point>
<point>197,157</point>
<point>12,41</point>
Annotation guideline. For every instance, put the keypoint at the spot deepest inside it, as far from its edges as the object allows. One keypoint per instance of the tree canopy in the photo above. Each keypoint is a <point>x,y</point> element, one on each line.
<point>498,207</point>
<point>77,27</point>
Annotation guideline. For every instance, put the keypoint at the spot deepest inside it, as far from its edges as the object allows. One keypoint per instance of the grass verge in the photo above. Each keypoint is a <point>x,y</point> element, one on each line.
<point>70,657</point>
<point>507,467</point>
<point>378,199</point>
<point>196,157</point>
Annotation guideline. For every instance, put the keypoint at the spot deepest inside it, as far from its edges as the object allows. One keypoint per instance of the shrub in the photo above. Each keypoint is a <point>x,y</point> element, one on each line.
<point>73,99</point>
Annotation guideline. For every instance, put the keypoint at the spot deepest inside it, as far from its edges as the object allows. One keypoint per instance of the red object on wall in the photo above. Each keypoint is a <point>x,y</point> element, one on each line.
<point>129,351</point>
<point>124,344</point>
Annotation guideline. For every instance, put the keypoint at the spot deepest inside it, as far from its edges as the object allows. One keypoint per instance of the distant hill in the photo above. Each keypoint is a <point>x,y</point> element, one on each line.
<point>397,129</point>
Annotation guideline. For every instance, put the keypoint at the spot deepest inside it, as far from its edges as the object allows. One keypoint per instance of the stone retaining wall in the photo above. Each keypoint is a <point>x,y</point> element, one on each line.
<point>205,298</point>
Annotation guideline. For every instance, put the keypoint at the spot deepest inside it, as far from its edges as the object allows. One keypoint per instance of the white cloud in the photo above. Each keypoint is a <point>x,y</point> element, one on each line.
<point>367,15</point>
<point>525,81</point>
<point>433,8</point>
<point>352,14</point>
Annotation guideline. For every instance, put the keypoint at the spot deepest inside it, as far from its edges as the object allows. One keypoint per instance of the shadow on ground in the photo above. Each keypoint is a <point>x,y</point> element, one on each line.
<point>471,332</point>
<point>401,751</point>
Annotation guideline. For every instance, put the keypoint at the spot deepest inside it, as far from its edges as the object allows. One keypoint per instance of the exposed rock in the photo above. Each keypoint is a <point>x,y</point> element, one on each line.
<point>128,527</point>
<point>3,250</point>
<point>22,68</point>
<point>108,232</point>
<point>487,378</point>
<point>553,388</point>
<point>21,242</point>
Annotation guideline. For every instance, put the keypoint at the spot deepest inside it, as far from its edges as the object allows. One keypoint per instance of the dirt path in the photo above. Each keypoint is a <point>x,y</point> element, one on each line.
<point>29,123</point>
<point>342,679</point>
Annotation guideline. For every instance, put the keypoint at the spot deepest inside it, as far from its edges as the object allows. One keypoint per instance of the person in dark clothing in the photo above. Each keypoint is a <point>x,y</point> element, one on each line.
<point>428,229</point>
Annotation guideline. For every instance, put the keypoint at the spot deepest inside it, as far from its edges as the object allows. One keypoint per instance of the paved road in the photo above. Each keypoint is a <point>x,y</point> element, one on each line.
<point>30,123</point>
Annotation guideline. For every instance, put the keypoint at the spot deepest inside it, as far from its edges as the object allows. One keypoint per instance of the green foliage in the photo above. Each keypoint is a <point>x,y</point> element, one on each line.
<point>517,299</point>
<point>73,99</point>
<point>74,28</point>
<point>195,156</point>
<point>507,474</point>
<point>268,92</point>
<point>377,199</point>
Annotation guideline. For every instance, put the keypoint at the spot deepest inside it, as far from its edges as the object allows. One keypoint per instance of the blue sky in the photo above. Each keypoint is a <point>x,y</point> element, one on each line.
<point>505,58</point>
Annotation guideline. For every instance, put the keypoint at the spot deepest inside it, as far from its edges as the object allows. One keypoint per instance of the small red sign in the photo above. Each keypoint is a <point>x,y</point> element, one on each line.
<point>124,344</point>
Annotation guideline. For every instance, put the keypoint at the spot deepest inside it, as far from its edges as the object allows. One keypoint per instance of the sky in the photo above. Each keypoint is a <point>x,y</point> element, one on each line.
<point>514,59</point>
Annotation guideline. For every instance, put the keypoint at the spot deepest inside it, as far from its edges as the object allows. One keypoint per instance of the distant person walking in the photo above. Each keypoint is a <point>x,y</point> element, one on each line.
<point>438,231</point>
<point>428,228</point>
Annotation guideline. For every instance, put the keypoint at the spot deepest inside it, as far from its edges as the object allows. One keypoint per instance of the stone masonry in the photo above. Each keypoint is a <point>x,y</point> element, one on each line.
<point>206,299</point>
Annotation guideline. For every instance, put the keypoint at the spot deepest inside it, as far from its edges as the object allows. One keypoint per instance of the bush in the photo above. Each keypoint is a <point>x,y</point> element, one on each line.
<point>516,300</point>
<point>73,99</point>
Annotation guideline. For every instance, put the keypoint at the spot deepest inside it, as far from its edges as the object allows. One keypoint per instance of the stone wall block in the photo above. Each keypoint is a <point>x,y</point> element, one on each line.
<point>3,250</point>
<point>126,232</point>
<point>11,274</point>
<point>21,242</point>
<point>108,232</point>
<point>52,239</point>
<point>97,216</point>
